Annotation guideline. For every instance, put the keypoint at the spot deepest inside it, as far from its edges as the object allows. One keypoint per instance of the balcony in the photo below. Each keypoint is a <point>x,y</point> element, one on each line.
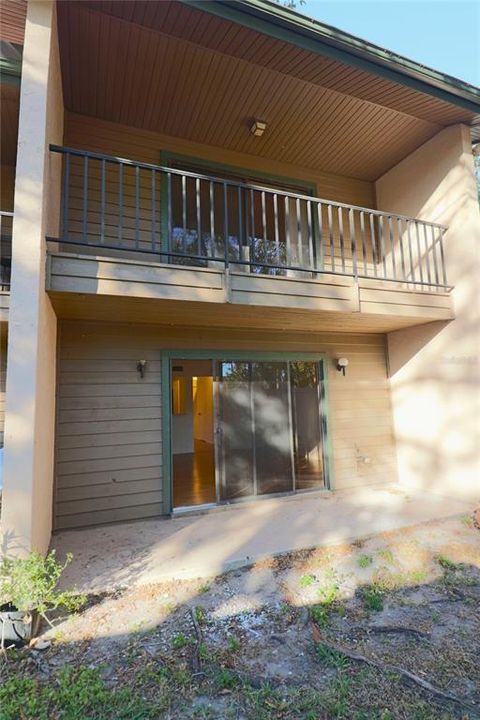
<point>131,229</point>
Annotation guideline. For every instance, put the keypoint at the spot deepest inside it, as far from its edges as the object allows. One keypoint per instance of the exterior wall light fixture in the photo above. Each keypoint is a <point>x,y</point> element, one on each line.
<point>258,127</point>
<point>342,364</point>
<point>141,365</point>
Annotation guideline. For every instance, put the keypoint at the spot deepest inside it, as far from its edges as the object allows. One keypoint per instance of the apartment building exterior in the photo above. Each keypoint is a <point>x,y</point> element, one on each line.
<point>240,258</point>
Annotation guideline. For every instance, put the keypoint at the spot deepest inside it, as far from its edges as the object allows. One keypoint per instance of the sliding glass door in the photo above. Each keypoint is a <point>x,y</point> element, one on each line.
<point>268,432</point>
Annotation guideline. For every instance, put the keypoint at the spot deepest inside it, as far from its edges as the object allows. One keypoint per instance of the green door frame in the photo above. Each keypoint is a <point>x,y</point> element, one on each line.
<point>166,376</point>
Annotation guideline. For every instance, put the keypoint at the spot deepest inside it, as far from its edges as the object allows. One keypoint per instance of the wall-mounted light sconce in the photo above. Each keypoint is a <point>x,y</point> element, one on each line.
<point>342,364</point>
<point>141,365</point>
<point>258,127</point>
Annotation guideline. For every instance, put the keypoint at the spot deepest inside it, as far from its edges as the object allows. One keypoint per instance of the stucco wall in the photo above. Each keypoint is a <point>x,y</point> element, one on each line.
<point>31,375</point>
<point>435,368</point>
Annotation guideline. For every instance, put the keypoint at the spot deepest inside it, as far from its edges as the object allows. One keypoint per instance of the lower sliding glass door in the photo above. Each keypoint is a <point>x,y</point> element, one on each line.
<point>268,428</point>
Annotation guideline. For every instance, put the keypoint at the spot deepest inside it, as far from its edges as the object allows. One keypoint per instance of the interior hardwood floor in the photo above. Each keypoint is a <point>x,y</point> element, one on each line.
<point>194,476</point>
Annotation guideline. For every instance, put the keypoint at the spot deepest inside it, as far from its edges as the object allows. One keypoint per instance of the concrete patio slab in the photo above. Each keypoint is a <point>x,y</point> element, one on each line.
<point>197,546</point>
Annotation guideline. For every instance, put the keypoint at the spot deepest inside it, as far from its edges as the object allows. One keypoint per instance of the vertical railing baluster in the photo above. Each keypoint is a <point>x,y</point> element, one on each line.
<point>66,195</point>
<point>392,247</point>
<point>264,226</point>
<point>321,255</point>
<point>171,247</point>
<point>137,206</point>
<point>353,243</point>
<point>252,228</point>
<point>419,251</point>
<point>225,222</point>
<point>288,239</point>
<point>442,257</point>
<point>102,201</point>
<point>198,201</point>
<point>373,243</point>
<point>382,245</point>
<point>298,214</point>
<point>330,236</point>
<point>342,240</point>
<point>434,254</point>
<point>153,208</point>
<point>184,215</point>
<point>410,252</point>
<point>364,244</point>
<point>427,254</point>
<point>400,242</point>
<point>120,204</point>
<point>213,244</point>
<point>85,201</point>
<point>309,230</point>
<point>276,230</point>
<point>240,223</point>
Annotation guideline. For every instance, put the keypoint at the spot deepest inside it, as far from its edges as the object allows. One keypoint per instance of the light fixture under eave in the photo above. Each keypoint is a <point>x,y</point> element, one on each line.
<point>258,127</point>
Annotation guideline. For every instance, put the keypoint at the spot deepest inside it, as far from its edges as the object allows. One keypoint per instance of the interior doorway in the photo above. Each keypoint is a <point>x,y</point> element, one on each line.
<point>192,433</point>
<point>246,428</point>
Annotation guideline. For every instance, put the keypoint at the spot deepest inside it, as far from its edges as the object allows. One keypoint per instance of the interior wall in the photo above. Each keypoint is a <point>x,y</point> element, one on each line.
<point>109,440</point>
<point>30,389</point>
<point>435,368</point>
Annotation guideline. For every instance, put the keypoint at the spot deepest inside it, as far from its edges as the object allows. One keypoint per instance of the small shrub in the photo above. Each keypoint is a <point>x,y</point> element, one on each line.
<point>30,584</point>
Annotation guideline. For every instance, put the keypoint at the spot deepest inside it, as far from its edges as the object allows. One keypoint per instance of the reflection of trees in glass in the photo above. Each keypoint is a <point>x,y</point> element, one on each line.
<point>304,374</point>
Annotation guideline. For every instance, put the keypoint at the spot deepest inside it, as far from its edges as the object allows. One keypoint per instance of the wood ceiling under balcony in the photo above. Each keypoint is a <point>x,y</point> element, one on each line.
<point>176,70</point>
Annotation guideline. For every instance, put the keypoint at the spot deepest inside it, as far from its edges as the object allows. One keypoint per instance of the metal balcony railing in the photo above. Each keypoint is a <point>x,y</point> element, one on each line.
<point>6,220</point>
<point>114,205</point>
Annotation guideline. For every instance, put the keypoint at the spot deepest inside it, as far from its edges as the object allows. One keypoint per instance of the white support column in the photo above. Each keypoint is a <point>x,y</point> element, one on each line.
<point>31,361</point>
<point>435,368</point>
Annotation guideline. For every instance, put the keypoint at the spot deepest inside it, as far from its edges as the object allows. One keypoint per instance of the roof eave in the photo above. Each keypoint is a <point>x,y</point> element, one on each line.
<point>285,24</point>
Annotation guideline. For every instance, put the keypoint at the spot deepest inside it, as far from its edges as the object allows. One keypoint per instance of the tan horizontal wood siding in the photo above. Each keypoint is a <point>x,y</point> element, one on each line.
<point>108,464</point>
<point>108,444</point>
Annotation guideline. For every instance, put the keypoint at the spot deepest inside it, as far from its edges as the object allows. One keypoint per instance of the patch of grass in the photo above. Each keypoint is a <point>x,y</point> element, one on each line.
<point>180,641</point>
<point>328,594</point>
<point>372,597</point>
<point>306,580</point>
<point>332,657</point>
<point>387,555</point>
<point>320,615</point>
<point>204,588</point>
<point>467,520</point>
<point>225,679</point>
<point>445,562</point>
<point>365,561</point>
<point>200,615</point>
<point>233,644</point>
<point>78,694</point>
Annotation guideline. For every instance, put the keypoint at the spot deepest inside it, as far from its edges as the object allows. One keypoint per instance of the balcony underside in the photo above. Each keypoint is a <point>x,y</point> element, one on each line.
<point>104,288</point>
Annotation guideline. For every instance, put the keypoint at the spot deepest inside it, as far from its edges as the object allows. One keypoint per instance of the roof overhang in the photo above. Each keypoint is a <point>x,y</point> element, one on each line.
<point>286,24</point>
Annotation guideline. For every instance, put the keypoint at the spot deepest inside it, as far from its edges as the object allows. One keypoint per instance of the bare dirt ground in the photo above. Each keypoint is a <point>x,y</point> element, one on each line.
<point>387,628</point>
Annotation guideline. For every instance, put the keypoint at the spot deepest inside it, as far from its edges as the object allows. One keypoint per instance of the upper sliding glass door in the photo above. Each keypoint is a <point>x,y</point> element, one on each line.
<point>268,427</point>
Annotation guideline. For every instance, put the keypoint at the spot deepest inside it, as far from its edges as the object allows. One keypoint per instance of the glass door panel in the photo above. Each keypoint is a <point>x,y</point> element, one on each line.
<point>272,427</point>
<point>234,435</point>
<point>307,425</point>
